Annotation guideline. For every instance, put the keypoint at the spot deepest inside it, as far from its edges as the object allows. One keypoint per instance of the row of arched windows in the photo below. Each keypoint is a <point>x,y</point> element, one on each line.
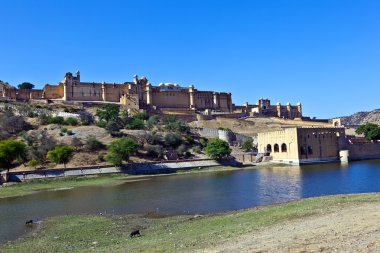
<point>276,148</point>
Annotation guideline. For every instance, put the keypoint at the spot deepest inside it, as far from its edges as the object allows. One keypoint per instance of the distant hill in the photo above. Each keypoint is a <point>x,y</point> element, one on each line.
<point>360,118</point>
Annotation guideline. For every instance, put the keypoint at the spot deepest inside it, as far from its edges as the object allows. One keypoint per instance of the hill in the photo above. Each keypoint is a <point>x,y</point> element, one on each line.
<point>360,118</point>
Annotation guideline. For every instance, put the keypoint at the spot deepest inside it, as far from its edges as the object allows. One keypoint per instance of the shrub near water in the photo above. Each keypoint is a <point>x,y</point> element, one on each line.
<point>216,149</point>
<point>120,150</point>
<point>60,155</point>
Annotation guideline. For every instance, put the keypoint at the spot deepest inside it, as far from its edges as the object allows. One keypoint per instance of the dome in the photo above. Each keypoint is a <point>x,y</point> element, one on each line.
<point>287,103</point>
<point>278,103</point>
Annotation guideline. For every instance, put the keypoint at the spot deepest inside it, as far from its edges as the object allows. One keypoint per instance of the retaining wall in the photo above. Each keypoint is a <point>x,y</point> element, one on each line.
<point>133,169</point>
<point>364,151</point>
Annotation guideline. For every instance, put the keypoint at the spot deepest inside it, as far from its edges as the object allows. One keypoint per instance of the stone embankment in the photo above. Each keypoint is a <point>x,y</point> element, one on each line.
<point>133,169</point>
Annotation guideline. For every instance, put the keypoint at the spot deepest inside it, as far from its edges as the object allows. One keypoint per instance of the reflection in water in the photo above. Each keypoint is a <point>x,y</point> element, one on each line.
<point>193,193</point>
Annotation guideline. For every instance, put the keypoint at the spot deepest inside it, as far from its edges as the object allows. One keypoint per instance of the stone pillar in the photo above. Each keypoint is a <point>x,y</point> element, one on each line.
<point>104,92</point>
<point>344,156</point>
<point>148,94</point>
<point>65,91</point>
<point>278,106</point>
<point>216,100</point>
<point>229,102</point>
<point>192,99</point>
<point>289,109</point>
<point>299,108</point>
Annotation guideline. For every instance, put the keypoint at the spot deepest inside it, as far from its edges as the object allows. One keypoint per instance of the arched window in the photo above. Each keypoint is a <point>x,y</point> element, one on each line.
<point>269,148</point>
<point>284,148</point>
<point>310,150</point>
<point>303,150</point>
<point>276,148</point>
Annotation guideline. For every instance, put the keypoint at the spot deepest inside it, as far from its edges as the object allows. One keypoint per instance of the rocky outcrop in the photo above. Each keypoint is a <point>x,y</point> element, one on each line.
<point>360,118</point>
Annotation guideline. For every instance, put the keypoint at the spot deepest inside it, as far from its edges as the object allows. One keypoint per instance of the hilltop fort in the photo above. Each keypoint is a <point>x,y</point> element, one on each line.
<point>140,94</point>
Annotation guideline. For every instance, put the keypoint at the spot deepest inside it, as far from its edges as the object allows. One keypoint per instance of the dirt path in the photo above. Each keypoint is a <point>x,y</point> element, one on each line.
<point>352,229</point>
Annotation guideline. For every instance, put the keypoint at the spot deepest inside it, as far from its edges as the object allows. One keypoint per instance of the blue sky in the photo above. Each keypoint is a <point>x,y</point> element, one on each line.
<point>323,53</point>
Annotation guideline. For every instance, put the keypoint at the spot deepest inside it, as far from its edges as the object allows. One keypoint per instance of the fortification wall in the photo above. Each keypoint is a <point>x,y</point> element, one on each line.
<point>171,99</point>
<point>364,151</point>
<point>225,102</point>
<point>53,91</point>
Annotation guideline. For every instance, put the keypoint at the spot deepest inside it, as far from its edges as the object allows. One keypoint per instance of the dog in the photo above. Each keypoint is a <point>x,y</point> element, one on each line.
<point>29,222</point>
<point>135,233</point>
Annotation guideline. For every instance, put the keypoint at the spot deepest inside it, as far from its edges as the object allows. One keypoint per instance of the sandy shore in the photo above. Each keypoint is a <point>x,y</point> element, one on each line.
<point>350,229</point>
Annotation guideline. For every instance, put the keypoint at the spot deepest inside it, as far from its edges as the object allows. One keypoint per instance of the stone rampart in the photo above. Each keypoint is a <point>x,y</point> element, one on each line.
<point>133,169</point>
<point>364,151</point>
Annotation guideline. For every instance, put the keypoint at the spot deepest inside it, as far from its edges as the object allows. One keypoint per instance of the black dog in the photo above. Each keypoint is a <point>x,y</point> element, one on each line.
<point>29,222</point>
<point>135,233</point>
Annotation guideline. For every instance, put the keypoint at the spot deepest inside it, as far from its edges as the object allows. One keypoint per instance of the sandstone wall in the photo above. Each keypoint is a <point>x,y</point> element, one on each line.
<point>171,99</point>
<point>364,151</point>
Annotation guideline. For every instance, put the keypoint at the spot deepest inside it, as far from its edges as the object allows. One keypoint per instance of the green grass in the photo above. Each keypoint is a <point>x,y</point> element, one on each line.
<point>170,234</point>
<point>32,186</point>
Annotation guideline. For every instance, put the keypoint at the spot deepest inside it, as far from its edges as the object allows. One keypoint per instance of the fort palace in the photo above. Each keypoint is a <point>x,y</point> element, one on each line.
<point>140,94</point>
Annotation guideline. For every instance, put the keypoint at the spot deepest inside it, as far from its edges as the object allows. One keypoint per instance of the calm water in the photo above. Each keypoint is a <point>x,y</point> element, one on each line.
<point>195,193</point>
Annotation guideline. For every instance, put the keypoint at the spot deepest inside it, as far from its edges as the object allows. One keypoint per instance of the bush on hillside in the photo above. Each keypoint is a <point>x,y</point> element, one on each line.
<point>135,124</point>
<point>93,144</point>
<point>216,149</point>
<point>120,150</point>
<point>172,140</point>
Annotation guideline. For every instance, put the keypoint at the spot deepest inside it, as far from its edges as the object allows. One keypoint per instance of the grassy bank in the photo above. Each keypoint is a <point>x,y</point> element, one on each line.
<point>32,186</point>
<point>88,233</point>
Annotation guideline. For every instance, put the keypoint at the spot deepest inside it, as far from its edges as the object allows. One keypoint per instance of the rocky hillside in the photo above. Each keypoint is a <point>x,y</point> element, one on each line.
<point>360,118</point>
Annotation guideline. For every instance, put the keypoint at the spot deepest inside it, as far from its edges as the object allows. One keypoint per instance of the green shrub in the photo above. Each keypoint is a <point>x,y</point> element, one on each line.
<point>102,123</point>
<point>172,140</point>
<point>247,145</point>
<point>141,115</point>
<point>61,154</point>
<point>63,130</point>
<point>71,121</point>
<point>56,120</point>
<point>93,144</point>
<point>216,149</point>
<point>155,151</point>
<point>135,124</point>
<point>33,164</point>
<point>120,150</point>
<point>69,132</point>
<point>108,112</point>
<point>11,150</point>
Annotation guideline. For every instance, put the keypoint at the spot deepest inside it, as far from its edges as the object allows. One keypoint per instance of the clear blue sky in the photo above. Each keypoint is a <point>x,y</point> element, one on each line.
<point>324,53</point>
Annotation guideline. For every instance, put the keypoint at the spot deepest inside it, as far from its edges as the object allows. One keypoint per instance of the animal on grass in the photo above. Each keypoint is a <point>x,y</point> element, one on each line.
<point>135,233</point>
<point>29,222</point>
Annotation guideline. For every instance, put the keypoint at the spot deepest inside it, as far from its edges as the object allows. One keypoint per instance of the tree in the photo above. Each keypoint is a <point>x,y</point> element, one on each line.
<point>38,145</point>
<point>371,131</point>
<point>108,112</point>
<point>141,115</point>
<point>11,150</point>
<point>172,140</point>
<point>217,148</point>
<point>25,86</point>
<point>247,145</point>
<point>61,154</point>
<point>120,150</point>
<point>172,123</point>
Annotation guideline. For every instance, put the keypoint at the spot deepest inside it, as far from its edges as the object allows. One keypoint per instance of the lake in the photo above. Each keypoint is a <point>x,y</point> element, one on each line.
<point>197,193</point>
